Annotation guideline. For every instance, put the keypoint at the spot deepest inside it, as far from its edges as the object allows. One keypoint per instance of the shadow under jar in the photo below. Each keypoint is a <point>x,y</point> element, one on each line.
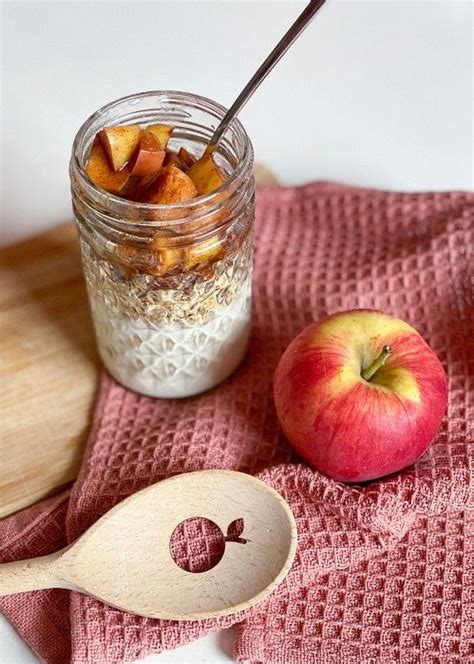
<point>169,285</point>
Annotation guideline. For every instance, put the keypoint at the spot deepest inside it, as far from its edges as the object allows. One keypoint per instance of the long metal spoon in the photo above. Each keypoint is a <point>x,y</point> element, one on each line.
<point>265,68</point>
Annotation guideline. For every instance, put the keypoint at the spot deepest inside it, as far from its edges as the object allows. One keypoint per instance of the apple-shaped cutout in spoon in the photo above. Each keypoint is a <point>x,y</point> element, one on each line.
<point>197,544</point>
<point>124,559</point>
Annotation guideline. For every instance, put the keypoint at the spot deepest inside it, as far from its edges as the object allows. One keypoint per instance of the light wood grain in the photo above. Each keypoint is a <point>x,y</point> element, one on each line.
<point>124,559</point>
<point>34,574</point>
<point>48,365</point>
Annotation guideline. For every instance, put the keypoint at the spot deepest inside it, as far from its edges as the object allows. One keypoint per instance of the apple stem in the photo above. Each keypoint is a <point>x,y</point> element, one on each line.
<point>368,373</point>
<point>235,538</point>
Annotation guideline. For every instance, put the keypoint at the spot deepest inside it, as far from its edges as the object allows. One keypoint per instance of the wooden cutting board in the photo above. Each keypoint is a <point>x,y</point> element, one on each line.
<point>48,365</point>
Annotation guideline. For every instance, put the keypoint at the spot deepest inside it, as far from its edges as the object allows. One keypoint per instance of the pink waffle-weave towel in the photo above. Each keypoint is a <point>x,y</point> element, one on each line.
<point>384,572</point>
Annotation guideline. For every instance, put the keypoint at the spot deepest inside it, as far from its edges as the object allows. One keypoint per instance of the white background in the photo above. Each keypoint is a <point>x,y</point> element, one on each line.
<point>375,93</point>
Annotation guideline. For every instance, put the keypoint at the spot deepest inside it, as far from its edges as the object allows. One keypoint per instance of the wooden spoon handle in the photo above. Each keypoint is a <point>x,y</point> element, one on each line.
<point>26,575</point>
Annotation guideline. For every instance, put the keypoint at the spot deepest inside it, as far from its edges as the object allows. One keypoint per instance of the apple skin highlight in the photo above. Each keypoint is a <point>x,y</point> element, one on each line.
<point>348,428</point>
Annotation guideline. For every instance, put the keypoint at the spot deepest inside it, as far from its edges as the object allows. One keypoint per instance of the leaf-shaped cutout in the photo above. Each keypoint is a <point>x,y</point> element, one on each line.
<point>235,529</point>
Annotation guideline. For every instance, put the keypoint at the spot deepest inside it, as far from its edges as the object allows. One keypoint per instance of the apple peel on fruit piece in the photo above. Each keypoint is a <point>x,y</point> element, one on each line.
<point>360,395</point>
<point>120,143</point>
<point>101,174</point>
<point>149,156</point>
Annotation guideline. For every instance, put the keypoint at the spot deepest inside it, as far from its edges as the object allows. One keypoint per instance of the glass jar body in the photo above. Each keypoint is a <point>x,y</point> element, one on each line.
<point>169,286</point>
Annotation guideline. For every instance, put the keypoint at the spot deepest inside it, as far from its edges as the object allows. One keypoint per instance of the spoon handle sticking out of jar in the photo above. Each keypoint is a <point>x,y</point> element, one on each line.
<point>265,68</point>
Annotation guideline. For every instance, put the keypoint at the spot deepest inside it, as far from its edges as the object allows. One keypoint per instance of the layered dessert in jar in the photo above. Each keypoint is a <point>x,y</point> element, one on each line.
<point>166,241</point>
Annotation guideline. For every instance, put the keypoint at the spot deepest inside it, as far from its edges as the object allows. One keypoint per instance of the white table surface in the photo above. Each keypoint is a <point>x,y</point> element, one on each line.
<point>212,649</point>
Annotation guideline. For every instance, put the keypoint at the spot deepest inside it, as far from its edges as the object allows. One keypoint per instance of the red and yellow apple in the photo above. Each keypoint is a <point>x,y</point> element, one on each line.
<point>360,395</point>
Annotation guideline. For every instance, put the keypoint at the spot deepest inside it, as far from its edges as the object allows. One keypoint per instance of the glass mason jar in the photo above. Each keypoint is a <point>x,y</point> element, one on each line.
<point>169,285</point>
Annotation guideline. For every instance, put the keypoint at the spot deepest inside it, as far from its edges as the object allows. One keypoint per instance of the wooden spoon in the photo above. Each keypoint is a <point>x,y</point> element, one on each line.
<point>124,558</point>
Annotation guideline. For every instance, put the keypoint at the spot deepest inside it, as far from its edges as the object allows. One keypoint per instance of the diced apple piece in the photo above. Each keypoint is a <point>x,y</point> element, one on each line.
<point>120,143</point>
<point>206,175</point>
<point>168,258</point>
<point>141,187</point>
<point>100,172</point>
<point>162,133</point>
<point>172,158</point>
<point>149,155</point>
<point>186,157</point>
<point>171,185</point>
<point>202,252</point>
<point>131,186</point>
<point>128,257</point>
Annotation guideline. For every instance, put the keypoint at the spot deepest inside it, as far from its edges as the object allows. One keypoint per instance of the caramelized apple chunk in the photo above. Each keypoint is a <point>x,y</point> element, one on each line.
<point>206,175</point>
<point>149,155</point>
<point>99,171</point>
<point>162,132</point>
<point>186,157</point>
<point>120,143</point>
<point>202,252</point>
<point>171,185</point>
<point>173,158</point>
<point>167,258</point>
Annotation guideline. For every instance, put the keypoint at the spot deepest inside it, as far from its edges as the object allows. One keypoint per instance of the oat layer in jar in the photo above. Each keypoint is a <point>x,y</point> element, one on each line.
<point>169,285</point>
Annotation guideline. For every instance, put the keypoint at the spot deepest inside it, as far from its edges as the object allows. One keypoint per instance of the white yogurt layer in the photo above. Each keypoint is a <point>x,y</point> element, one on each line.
<point>173,360</point>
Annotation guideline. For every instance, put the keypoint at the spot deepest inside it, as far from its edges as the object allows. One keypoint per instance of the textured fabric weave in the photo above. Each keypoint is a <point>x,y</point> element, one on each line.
<point>384,572</point>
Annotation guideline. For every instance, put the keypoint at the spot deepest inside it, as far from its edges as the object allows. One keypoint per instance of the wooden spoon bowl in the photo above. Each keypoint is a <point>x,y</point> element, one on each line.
<point>124,559</point>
